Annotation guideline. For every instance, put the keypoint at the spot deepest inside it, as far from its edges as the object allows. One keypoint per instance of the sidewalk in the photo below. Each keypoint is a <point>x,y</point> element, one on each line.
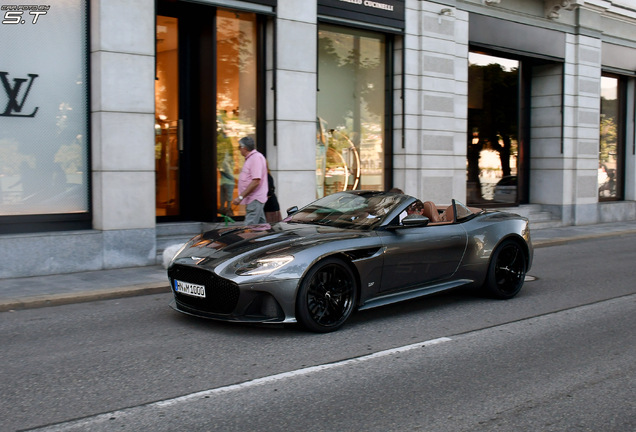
<point>54,290</point>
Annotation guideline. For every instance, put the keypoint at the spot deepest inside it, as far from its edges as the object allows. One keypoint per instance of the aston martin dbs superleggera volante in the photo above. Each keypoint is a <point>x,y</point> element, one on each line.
<point>346,251</point>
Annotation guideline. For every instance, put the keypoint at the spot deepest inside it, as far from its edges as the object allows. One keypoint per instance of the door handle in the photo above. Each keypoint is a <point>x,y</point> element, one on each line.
<point>180,134</point>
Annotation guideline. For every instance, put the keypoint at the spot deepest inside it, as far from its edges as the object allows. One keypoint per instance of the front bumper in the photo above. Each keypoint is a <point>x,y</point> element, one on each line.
<point>272,301</point>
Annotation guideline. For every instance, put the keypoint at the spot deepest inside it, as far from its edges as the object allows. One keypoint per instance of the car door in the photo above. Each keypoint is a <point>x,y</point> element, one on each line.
<point>419,256</point>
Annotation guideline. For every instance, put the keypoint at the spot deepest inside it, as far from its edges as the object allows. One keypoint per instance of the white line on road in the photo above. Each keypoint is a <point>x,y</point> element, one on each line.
<point>82,423</point>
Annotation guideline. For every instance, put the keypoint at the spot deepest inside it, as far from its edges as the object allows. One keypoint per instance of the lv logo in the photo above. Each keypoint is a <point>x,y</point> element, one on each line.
<point>14,108</point>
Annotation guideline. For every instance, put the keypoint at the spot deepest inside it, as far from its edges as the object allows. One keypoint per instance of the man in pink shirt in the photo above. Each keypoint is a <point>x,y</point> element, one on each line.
<point>252,184</point>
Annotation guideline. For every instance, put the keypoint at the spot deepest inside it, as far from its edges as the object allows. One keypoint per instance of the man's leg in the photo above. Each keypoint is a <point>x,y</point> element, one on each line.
<point>254,213</point>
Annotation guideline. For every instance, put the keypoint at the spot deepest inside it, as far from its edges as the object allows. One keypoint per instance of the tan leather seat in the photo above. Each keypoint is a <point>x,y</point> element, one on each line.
<point>430,211</point>
<point>449,214</point>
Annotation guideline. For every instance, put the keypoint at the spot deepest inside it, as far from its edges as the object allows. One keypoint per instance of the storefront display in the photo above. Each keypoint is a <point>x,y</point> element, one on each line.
<point>351,110</point>
<point>44,136</point>
<point>206,99</point>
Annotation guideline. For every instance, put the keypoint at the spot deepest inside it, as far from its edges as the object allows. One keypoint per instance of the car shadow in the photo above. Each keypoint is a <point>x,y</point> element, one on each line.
<point>452,298</point>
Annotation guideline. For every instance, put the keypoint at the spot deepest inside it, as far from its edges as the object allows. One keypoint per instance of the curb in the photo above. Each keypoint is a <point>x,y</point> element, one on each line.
<point>46,300</point>
<point>564,240</point>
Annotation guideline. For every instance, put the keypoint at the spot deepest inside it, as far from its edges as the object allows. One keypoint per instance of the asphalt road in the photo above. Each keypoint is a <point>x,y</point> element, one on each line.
<point>560,356</point>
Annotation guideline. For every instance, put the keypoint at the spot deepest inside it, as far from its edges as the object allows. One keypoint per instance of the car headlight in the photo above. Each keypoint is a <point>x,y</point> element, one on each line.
<point>263,266</point>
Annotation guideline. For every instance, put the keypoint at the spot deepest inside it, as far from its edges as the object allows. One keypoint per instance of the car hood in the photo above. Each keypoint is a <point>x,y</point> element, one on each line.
<point>247,243</point>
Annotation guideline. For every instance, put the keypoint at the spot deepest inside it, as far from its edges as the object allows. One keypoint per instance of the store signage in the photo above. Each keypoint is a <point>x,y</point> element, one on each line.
<point>369,3</point>
<point>14,107</point>
<point>383,12</point>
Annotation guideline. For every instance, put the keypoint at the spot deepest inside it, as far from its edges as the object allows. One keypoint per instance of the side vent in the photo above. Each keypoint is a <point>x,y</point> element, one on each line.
<point>360,254</point>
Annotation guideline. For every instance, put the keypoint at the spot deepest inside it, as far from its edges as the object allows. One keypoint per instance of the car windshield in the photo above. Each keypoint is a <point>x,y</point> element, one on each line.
<point>349,210</point>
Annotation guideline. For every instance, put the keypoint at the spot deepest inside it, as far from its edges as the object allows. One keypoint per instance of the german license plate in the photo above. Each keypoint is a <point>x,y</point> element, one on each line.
<point>189,289</point>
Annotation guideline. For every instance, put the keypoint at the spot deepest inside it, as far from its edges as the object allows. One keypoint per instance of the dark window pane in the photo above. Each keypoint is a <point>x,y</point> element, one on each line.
<point>493,124</point>
<point>610,164</point>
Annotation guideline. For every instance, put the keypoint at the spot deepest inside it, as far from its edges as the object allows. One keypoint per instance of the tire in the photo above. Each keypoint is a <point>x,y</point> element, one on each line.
<point>327,296</point>
<point>506,271</point>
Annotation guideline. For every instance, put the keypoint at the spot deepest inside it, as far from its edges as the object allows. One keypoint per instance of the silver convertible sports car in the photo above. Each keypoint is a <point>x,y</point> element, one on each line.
<point>347,251</point>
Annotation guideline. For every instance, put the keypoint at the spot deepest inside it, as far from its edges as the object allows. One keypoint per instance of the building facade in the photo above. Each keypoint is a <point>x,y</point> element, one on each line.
<point>119,126</point>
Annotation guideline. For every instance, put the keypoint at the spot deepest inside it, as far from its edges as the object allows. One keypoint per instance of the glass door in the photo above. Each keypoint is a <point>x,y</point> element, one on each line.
<point>611,146</point>
<point>493,130</point>
<point>168,126</point>
<point>208,95</point>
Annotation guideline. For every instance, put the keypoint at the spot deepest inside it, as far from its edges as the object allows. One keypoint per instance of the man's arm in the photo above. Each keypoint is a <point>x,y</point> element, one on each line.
<point>248,190</point>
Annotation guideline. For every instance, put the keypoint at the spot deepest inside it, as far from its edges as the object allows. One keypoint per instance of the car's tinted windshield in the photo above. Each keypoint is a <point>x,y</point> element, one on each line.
<point>349,210</point>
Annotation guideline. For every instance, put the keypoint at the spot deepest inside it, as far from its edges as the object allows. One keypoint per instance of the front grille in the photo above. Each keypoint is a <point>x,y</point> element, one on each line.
<point>221,295</point>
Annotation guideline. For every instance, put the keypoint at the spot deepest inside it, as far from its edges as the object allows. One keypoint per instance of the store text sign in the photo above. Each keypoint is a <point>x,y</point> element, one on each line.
<point>382,12</point>
<point>372,4</point>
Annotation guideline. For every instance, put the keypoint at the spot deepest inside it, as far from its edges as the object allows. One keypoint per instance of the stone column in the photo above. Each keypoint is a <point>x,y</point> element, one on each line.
<point>406,113</point>
<point>581,131</point>
<point>434,158</point>
<point>122,116</point>
<point>550,182</point>
<point>291,156</point>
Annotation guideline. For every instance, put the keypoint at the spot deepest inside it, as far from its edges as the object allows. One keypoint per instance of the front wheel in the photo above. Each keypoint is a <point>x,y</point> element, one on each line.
<point>507,270</point>
<point>327,296</point>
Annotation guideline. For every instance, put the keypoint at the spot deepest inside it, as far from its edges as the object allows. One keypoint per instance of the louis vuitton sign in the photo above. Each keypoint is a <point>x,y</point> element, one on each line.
<point>16,99</point>
<point>388,13</point>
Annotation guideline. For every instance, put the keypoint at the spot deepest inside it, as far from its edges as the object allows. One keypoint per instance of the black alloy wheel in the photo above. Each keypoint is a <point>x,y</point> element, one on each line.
<point>327,296</point>
<point>507,270</point>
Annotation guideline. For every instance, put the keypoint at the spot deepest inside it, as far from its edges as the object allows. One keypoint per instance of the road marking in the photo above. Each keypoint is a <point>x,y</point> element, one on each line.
<point>81,423</point>
<point>297,372</point>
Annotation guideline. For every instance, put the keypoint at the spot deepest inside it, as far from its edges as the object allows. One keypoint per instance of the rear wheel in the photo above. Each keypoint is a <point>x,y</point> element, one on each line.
<point>507,270</point>
<point>326,296</point>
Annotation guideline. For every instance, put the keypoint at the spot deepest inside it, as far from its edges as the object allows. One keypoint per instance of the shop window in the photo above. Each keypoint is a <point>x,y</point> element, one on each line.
<point>44,141</point>
<point>236,100</point>
<point>493,128</point>
<point>167,124</point>
<point>611,139</point>
<point>351,130</point>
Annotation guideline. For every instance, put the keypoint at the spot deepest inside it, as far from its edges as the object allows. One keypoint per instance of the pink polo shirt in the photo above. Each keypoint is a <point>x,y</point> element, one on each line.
<point>255,167</point>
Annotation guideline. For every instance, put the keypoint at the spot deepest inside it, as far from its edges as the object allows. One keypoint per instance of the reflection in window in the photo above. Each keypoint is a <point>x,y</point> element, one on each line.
<point>44,163</point>
<point>344,210</point>
<point>167,118</point>
<point>351,108</point>
<point>610,156</point>
<point>493,148</point>
<point>235,101</point>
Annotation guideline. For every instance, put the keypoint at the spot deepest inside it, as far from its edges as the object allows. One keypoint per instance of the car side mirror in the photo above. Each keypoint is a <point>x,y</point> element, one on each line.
<point>411,221</point>
<point>415,220</point>
<point>292,210</point>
